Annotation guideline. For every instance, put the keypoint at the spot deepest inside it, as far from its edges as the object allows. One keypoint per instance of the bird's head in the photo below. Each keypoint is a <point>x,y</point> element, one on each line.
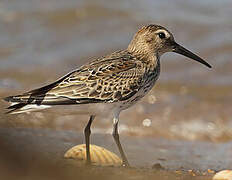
<point>157,39</point>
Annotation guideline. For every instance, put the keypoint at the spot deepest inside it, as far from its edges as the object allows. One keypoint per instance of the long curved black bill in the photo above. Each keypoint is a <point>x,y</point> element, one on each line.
<point>181,50</point>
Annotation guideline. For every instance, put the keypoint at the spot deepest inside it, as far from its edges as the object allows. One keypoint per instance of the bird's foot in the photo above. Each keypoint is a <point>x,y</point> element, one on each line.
<point>125,164</point>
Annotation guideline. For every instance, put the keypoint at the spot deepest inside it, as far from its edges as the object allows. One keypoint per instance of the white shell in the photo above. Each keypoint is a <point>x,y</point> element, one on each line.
<point>99,155</point>
<point>223,175</point>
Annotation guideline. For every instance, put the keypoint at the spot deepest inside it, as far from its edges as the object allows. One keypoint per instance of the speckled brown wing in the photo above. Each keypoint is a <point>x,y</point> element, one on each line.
<point>109,79</point>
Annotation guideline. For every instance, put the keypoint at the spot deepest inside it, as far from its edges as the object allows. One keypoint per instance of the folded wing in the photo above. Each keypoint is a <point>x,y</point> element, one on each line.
<point>109,79</point>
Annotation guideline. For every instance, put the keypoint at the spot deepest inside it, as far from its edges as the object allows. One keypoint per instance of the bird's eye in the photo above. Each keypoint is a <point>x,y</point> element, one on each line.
<point>161,35</point>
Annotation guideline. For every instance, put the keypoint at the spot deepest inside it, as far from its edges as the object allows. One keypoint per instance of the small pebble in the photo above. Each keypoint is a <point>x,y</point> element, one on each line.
<point>178,172</point>
<point>211,171</point>
<point>146,122</point>
<point>157,166</point>
<point>191,172</point>
<point>223,175</point>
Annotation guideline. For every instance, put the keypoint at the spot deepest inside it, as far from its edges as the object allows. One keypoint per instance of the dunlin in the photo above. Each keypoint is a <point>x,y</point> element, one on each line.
<point>117,80</point>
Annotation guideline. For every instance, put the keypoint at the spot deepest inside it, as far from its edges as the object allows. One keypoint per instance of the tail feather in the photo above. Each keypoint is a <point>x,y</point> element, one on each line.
<point>14,107</point>
<point>17,108</point>
<point>40,98</point>
<point>30,101</point>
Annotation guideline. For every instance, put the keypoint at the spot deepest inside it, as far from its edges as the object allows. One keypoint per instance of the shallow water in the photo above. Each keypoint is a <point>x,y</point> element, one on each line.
<point>42,40</point>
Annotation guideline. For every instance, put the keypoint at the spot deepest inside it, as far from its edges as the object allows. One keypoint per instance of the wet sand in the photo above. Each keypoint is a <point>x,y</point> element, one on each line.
<point>38,153</point>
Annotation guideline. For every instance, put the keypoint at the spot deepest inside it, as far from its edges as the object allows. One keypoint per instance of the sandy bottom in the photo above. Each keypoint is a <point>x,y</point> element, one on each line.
<point>38,154</point>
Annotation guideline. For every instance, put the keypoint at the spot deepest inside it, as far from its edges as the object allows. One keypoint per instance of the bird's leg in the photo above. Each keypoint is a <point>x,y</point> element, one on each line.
<point>87,132</point>
<point>116,139</point>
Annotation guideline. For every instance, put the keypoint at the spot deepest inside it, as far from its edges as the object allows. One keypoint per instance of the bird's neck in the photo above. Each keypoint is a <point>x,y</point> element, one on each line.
<point>144,54</point>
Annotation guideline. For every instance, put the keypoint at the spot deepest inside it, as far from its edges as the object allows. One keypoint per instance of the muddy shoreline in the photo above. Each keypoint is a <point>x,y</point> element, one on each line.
<point>25,150</point>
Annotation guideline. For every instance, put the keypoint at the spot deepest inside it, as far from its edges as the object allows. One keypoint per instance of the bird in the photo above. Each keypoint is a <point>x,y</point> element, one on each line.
<point>117,81</point>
